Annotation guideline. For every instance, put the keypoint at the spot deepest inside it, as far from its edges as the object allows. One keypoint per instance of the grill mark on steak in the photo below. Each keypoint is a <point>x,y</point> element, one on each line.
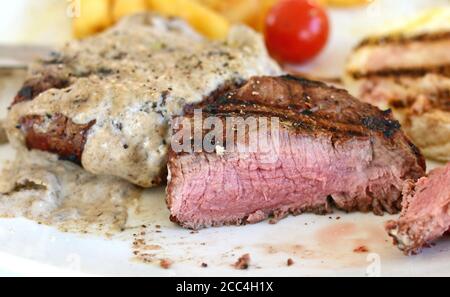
<point>56,134</point>
<point>335,150</point>
<point>402,39</point>
<point>443,70</point>
<point>37,85</point>
<point>320,115</point>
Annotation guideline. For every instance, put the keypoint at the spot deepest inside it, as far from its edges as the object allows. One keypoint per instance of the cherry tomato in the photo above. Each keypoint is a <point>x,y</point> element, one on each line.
<point>296,30</point>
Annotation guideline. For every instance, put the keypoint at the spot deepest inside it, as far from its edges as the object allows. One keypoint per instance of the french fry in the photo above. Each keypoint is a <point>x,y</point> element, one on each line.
<point>95,15</point>
<point>213,4</point>
<point>123,8</point>
<point>344,3</point>
<point>241,11</point>
<point>236,11</point>
<point>250,12</point>
<point>202,18</point>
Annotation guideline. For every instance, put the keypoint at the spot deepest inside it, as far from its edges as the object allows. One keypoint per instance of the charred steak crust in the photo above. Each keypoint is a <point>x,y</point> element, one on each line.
<point>37,85</point>
<point>56,134</point>
<point>351,140</point>
<point>324,113</point>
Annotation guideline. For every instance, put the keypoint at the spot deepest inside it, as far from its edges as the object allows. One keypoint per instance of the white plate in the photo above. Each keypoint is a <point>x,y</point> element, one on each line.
<point>317,244</point>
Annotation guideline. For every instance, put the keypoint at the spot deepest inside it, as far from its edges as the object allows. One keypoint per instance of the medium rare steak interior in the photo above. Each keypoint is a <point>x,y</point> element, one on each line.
<point>425,215</point>
<point>330,149</point>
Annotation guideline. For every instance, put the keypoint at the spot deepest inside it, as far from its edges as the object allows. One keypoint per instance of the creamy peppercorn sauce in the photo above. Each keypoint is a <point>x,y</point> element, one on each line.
<point>39,187</point>
<point>131,80</point>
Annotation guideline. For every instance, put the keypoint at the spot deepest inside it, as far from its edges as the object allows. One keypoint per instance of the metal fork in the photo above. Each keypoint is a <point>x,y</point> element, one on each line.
<point>19,56</point>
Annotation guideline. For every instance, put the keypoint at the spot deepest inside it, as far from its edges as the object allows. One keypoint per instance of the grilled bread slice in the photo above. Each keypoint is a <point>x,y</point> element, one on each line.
<point>409,72</point>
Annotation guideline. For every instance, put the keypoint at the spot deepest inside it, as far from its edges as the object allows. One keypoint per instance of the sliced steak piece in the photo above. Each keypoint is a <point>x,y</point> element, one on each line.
<point>330,149</point>
<point>425,215</point>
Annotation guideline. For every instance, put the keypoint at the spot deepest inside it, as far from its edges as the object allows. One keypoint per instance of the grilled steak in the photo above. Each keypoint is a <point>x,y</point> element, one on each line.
<point>425,216</point>
<point>105,102</point>
<point>329,149</point>
<point>61,136</point>
<point>411,75</point>
<point>37,85</point>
